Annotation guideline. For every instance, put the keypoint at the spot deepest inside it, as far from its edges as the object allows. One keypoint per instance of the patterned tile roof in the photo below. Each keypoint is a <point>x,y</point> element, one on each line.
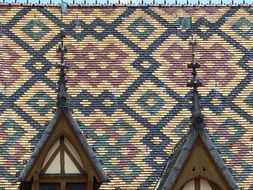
<point>127,80</point>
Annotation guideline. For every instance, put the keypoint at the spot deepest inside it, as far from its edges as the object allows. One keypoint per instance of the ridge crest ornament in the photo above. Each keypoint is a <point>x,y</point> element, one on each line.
<point>197,118</point>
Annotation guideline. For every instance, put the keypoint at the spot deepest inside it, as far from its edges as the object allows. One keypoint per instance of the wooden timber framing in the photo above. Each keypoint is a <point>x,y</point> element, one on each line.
<point>61,149</point>
<point>63,126</point>
<point>194,147</point>
<point>199,165</point>
<point>62,160</point>
<point>64,180</point>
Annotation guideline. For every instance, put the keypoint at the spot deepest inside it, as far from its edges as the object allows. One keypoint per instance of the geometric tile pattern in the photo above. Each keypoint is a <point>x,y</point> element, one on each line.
<point>243,27</point>
<point>127,75</point>
<point>41,102</point>
<point>36,29</point>
<point>141,28</point>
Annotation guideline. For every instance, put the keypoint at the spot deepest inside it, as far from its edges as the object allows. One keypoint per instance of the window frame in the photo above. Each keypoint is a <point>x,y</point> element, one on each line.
<point>63,127</point>
<point>63,179</point>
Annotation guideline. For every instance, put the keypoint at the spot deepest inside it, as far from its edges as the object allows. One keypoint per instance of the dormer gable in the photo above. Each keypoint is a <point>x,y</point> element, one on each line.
<point>201,169</point>
<point>196,160</point>
<point>62,152</point>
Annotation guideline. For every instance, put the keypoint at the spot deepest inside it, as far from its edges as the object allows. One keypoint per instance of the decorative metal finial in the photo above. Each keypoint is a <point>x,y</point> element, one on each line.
<point>197,117</point>
<point>62,97</point>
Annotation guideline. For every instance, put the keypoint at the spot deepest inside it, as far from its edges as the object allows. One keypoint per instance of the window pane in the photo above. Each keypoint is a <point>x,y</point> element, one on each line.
<point>51,186</point>
<point>76,186</point>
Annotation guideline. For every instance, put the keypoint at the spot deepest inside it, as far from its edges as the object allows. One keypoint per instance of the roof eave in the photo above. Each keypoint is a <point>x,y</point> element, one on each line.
<point>178,165</point>
<point>218,161</point>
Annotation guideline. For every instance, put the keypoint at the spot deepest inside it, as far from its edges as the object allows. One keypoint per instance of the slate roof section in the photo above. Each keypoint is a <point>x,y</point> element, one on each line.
<point>136,110</point>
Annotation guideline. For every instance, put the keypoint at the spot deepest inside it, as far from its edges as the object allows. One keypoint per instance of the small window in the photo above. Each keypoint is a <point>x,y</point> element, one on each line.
<point>76,186</point>
<point>51,186</point>
<point>64,162</point>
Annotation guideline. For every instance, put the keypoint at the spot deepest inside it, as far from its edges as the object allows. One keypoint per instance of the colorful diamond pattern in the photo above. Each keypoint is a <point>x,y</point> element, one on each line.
<point>36,29</point>
<point>141,28</point>
<point>12,71</point>
<point>126,78</point>
<point>171,54</point>
<point>151,102</point>
<point>121,135</point>
<point>38,102</point>
<point>41,102</point>
<point>244,28</point>
<point>108,67</point>
<point>214,56</point>
<point>239,27</point>
<point>225,73</point>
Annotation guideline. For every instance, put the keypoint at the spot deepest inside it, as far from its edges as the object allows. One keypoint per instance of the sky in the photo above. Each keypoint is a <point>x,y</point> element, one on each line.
<point>134,1</point>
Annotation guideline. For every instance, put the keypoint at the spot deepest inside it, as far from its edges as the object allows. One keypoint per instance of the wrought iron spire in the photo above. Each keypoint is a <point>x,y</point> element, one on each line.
<point>197,118</point>
<point>62,97</point>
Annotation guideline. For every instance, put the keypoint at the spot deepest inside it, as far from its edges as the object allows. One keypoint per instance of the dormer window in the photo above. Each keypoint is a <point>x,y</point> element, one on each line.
<point>62,159</point>
<point>63,168</point>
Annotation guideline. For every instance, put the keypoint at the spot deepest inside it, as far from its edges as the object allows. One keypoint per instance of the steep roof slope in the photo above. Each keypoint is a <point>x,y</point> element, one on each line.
<point>127,84</point>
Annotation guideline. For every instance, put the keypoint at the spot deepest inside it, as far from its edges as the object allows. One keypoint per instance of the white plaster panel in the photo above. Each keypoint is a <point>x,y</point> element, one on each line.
<point>55,166</point>
<point>73,151</point>
<point>70,167</point>
<point>50,152</point>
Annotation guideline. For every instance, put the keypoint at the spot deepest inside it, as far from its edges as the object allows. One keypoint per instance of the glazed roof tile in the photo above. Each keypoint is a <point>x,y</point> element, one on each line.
<point>127,74</point>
